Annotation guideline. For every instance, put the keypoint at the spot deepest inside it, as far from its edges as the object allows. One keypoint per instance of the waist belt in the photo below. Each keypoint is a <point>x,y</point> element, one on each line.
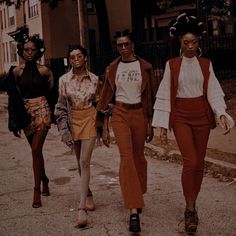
<point>129,106</point>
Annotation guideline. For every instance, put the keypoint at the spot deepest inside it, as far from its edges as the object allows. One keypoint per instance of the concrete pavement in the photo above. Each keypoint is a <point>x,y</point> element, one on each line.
<point>164,201</point>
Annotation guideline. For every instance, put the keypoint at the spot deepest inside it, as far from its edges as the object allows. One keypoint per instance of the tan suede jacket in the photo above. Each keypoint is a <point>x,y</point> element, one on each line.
<point>148,87</point>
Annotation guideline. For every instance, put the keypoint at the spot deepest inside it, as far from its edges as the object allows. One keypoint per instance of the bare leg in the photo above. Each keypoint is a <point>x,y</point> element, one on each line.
<point>36,142</point>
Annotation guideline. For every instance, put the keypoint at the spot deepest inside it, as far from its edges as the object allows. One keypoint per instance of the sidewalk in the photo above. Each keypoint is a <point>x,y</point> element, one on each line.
<point>221,152</point>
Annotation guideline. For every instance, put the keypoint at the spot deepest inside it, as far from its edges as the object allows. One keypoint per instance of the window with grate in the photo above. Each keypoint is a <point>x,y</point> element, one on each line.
<point>3,52</point>
<point>4,17</point>
<point>7,54</point>
<point>33,8</point>
<point>11,15</point>
<point>13,55</point>
<point>1,19</point>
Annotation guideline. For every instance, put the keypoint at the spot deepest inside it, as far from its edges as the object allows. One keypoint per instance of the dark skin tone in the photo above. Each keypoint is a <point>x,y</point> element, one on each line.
<point>78,62</point>
<point>37,139</point>
<point>125,47</point>
<point>189,47</point>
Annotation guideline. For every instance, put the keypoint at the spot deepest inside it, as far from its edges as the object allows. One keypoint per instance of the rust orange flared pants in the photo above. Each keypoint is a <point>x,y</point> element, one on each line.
<point>191,128</point>
<point>129,127</point>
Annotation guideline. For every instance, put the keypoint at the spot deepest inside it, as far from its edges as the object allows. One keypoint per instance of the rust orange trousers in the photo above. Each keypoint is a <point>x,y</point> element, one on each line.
<point>129,127</point>
<point>191,128</point>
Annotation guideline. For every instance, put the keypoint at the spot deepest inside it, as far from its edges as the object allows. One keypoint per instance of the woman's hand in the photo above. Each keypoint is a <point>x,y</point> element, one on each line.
<point>150,133</point>
<point>109,109</point>
<point>105,133</point>
<point>163,135</point>
<point>70,144</point>
<point>17,133</point>
<point>106,137</point>
<point>225,124</point>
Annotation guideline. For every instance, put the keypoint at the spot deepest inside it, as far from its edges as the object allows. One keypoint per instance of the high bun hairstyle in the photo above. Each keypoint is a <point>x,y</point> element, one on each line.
<point>186,24</point>
<point>21,36</point>
<point>124,33</point>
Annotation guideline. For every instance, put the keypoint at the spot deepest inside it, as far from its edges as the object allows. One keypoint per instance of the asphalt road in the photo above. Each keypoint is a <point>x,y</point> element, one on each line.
<point>164,201</point>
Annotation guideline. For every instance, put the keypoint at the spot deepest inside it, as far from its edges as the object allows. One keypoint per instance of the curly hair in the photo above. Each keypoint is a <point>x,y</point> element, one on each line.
<point>186,24</point>
<point>21,36</point>
<point>38,42</point>
<point>79,47</point>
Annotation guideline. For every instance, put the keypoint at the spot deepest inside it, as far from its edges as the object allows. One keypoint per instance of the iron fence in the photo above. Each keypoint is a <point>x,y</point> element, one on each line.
<point>220,49</point>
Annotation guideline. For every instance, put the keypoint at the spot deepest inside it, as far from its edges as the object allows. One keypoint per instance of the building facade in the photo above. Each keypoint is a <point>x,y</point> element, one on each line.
<point>149,21</point>
<point>59,27</point>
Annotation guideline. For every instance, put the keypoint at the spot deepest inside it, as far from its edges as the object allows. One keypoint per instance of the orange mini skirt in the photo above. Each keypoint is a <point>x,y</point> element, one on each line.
<point>83,123</point>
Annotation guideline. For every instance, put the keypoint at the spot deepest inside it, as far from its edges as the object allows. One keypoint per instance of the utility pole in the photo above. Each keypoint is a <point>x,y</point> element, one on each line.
<point>83,23</point>
<point>83,27</point>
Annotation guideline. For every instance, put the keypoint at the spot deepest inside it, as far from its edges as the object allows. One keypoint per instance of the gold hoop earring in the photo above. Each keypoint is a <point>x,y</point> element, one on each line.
<point>200,52</point>
<point>180,52</point>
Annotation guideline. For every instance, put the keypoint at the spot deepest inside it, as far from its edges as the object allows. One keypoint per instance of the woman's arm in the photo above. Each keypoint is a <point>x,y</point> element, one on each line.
<point>105,132</point>
<point>215,96</point>
<point>18,118</point>
<point>162,104</point>
<point>62,116</point>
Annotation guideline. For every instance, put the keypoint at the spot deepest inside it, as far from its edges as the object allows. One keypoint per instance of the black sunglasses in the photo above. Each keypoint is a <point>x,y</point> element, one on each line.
<point>126,44</point>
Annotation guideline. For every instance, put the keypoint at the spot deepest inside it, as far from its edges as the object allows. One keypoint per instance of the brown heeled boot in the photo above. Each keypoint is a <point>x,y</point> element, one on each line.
<point>37,198</point>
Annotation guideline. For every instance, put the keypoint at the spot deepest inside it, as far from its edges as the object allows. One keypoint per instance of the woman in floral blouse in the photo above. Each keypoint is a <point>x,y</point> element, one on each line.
<point>76,118</point>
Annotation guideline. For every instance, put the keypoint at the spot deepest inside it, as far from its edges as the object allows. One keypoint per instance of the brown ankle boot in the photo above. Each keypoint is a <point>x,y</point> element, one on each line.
<point>37,198</point>
<point>190,221</point>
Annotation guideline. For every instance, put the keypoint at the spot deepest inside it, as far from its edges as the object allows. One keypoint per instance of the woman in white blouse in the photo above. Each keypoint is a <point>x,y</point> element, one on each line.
<point>187,101</point>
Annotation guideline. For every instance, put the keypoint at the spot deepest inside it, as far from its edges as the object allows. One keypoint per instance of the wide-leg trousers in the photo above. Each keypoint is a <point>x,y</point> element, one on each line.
<point>129,127</point>
<point>191,128</point>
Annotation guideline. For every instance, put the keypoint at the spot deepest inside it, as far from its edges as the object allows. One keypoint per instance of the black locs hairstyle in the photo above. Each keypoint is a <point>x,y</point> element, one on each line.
<point>186,24</point>
<point>21,36</point>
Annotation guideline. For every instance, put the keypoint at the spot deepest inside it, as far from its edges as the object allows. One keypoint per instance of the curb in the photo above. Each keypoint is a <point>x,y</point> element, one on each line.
<point>218,167</point>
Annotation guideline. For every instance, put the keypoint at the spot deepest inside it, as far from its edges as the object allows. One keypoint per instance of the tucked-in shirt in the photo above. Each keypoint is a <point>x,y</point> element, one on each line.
<point>79,91</point>
<point>128,82</point>
<point>190,84</point>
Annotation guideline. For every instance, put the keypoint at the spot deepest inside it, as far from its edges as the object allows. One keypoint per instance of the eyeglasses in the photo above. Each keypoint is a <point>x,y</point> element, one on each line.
<point>30,49</point>
<point>125,44</point>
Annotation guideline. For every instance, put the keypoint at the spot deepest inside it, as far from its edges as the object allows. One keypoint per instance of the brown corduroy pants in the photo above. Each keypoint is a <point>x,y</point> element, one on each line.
<point>191,128</point>
<point>129,127</point>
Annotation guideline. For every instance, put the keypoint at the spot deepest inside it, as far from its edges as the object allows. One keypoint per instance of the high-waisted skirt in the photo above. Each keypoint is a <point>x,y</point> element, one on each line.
<point>40,113</point>
<point>83,123</point>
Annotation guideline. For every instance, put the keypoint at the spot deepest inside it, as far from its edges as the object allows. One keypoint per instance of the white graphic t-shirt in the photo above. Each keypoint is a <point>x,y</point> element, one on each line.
<point>128,82</point>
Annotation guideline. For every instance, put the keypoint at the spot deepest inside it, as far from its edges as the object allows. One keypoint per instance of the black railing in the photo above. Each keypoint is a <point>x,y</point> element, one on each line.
<point>222,52</point>
<point>220,49</point>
